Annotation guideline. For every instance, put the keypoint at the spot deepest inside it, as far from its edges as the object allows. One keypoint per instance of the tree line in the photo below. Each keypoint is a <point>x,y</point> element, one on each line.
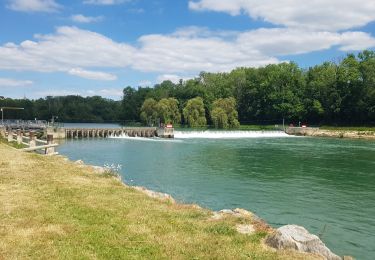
<point>66,108</point>
<point>332,93</point>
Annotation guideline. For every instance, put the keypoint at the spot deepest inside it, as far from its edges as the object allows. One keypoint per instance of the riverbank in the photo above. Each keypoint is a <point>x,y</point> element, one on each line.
<point>335,133</point>
<point>53,208</point>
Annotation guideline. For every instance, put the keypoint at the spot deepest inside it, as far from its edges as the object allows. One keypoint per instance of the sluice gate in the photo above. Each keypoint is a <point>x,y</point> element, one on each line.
<point>98,132</point>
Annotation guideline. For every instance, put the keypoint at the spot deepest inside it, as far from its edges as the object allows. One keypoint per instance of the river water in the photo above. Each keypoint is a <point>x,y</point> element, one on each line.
<point>326,185</point>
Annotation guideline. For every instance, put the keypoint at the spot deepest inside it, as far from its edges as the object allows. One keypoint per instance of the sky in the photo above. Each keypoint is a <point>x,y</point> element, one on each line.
<point>98,47</point>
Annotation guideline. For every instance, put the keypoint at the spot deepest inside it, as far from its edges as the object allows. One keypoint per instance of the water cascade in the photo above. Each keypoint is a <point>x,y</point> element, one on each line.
<point>227,134</point>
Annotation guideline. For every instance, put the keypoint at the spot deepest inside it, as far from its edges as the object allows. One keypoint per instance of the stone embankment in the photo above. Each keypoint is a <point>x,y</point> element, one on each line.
<point>312,131</point>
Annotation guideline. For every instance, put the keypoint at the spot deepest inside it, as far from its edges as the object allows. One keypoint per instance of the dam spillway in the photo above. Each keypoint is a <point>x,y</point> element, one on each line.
<point>70,133</point>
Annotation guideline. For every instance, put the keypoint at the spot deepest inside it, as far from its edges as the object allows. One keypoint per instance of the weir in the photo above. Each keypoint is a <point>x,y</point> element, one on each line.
<point>66,133</point>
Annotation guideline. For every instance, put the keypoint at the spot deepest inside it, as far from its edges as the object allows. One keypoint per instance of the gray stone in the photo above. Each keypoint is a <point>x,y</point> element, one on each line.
<point>298,238</point>
<point>239,213</point>
<point>98,169</point>
<point>79,162</point>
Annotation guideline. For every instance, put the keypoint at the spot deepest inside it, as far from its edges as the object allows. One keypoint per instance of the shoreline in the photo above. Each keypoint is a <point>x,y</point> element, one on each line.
<point>258,224</point>
<point>316,132</point>
<point>242,222</point>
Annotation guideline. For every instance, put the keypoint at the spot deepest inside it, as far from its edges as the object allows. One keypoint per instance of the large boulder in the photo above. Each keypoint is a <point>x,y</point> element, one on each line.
<point>298,238</point>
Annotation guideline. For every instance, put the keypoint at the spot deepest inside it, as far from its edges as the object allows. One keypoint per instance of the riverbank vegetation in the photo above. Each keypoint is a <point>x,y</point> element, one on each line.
<point>333,93</point>
<point>51,208</point>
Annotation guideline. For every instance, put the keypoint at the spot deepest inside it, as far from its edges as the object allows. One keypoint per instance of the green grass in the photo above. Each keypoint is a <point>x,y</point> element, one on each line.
<point>51,208</point>
<point>12,144</point>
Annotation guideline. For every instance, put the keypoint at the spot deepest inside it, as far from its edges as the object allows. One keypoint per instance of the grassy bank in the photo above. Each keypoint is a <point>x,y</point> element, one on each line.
<point>12,144</point>
<point>51,208</point>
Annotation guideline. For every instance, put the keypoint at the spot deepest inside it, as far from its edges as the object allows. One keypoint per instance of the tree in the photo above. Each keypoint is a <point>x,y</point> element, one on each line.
<point>321,98</point>
<point>168,111</point>
<point>350,87</point>
<point>224,113</point>
<point>149,113</point>
<point>194,112</point>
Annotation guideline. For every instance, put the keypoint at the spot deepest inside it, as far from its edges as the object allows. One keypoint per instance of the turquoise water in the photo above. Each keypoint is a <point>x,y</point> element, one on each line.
<point>325,185</point>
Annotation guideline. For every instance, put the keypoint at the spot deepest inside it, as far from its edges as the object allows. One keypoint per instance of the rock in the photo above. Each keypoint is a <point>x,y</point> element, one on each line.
<point>227,211</point>
<point>79,162</point>
<point>239,213</point>
<point>245,229</point>
<point>243,212</point>
<point>98,169</point>
<point>155,195</point>
<point>298,238</point>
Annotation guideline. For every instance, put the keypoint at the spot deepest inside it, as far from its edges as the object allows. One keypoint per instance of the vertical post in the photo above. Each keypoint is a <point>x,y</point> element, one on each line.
<point>32,142</point>
<point>284,124</point>
<point>19,136</point>
<point>2,132</point>
<point>10,135</point>
<point>50,150</point>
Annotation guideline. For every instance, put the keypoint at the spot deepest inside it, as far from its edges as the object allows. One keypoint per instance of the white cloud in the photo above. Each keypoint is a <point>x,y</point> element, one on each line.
<point>332,15</point>
<point>68,48</point>
<point>185,52</point>
<point>111,92</point>
<point>95,75</point>
<point>145,83</point>
<point>80,18</point>
<point>57,92</point>
<point>34,5</point>
<point>6,82</point>
<point>104,2</point>
<point>283,41</point>
<point>174,78</point>
<point>106,92</point>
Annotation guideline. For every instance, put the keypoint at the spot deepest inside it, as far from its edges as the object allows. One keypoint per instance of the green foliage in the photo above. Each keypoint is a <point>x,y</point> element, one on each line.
<point>341,93</point>
<point>221,229</point>
<point>169,111</point>
<point>224,113</point>
<point>67,108</point>
<point>194,113</point>
<point>13,143</point>
<point>149,113</point>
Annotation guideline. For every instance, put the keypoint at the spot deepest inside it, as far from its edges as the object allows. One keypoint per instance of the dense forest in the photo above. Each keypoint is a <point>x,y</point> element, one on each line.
<point>66,108</point>
<point>333,93</point>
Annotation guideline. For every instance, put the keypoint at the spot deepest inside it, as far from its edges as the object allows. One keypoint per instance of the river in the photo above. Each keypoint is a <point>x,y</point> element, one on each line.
<point>326,185</point>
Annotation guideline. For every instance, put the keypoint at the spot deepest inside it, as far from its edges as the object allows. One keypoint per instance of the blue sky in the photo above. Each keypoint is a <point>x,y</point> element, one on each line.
<point>97,47</point>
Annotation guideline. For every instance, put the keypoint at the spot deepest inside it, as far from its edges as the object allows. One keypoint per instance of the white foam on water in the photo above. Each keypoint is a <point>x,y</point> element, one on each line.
<point>144,139</point>
<point>208,134</point>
